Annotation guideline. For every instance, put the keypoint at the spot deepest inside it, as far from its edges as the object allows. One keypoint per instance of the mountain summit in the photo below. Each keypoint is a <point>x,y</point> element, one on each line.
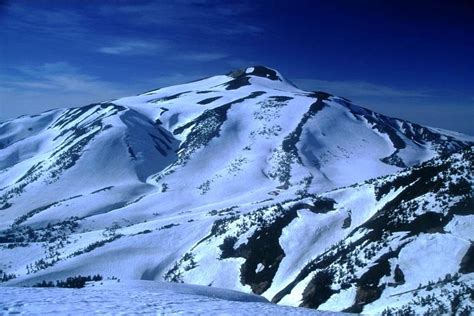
<point>259,71</point>
<point>241,181</point>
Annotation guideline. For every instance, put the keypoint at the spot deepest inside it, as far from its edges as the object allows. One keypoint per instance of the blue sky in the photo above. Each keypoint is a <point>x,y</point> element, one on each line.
<point>409,59</point>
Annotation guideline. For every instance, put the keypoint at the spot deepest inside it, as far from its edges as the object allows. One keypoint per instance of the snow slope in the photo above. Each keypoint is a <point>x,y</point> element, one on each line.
<point>239,181</point>
<point>137,298</point>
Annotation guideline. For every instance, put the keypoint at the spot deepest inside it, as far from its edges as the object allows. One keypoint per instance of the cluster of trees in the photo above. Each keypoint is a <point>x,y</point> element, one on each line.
<point>75,282</point>
<point>40,264</point>
<point>6,276</point>
<point>17,236</point>
<point>403,311</point>
<point>95,245</point>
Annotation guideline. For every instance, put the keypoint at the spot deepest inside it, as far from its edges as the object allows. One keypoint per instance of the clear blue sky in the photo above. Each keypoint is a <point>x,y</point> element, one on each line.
<point>409,59</point>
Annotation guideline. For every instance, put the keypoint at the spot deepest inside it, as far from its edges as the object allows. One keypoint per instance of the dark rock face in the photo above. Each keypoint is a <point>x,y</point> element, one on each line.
<point>399,277</point>
<point>259,71</point>
<point>263,250</point>
<point>209,100</point>
<point>289,144</point>
<point>265,72</point>
<point>242,76</point>
<point>319,289</point>
<point>467,263</point>
<point>237,83</point>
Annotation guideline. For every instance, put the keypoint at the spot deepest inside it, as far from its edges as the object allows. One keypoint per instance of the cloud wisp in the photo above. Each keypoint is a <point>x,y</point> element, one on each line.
<point>359,88</point>
<point>31,89</point>
<point>133,47</point>
<point>59,76</point>
<point>200,57</point>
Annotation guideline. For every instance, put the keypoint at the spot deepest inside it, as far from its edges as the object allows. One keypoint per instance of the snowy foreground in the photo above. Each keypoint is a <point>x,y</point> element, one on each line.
<point>140,297</point>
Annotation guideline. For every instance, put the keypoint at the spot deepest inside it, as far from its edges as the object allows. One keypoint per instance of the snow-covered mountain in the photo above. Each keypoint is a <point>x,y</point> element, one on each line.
<point>241,181</point>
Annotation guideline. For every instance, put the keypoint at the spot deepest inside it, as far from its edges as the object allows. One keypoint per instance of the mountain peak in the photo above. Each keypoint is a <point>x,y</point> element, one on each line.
<point>258,71</point>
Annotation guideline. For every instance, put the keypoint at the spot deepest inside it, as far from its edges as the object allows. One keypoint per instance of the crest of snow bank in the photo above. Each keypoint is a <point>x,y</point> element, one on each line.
<point>137,297</point>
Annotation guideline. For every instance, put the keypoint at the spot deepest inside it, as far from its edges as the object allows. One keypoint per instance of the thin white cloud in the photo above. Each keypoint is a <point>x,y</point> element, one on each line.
<point>358,88</point>
<point>132,48</point>
<point>37,88</point>
<point>35,85</point>
<point>200,57</point>
<point>60,76</point>
<point>45,69</point>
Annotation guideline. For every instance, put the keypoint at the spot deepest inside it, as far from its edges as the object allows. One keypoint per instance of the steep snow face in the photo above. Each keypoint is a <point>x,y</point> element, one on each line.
<point>186,183</point>
<point>61,158</point>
